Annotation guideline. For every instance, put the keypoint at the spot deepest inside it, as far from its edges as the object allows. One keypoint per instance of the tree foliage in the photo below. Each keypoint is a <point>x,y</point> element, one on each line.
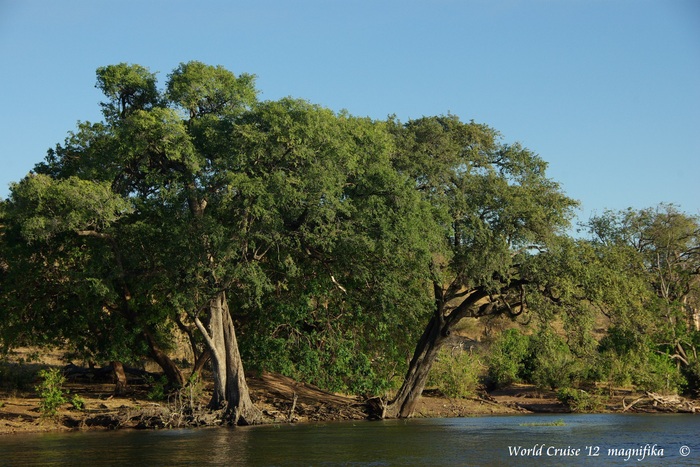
<point>282,216</point>
<point>339,250</point>
<point>492,204</point>
<point>663,245</point>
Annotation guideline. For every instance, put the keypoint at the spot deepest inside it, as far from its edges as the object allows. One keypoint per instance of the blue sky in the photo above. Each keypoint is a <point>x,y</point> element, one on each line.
<point>607,92</point>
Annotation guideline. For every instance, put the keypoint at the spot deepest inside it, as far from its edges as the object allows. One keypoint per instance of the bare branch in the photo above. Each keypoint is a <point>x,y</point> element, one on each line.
<point>342,289</point>
<point>93,233</point>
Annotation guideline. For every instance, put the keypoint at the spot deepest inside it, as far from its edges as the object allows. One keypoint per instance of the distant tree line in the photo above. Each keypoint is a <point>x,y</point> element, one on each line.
<point>342,251</point>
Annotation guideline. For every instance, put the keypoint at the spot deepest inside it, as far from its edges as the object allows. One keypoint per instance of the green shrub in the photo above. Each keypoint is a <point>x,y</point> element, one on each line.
<point>615,370</point>
<point>191,395</point>
<point>691,373</point>
<point>158,390</point>
<point>51,391</point>
<point>507,357</point>
<point>337,364</point>
<point>659,374</point>
<point>77,402</point>
<point>578,400</point>
<point>628,359</point>
<point>550,363</point>
<point>455,373</point>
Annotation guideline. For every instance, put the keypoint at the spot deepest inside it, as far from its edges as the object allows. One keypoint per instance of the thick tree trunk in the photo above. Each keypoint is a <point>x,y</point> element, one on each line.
<point>477,302</point>
<point>230,388</point>
<point>404,404</point>
<point>237,394</point>
<point>119,377</point>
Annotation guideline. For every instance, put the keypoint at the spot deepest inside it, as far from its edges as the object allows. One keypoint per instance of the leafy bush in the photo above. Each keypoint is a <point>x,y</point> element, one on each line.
<point>336,363</point>
<point>550,363</point>
<point>692,376</point>
<point>614,370</point>
<point>455,373</point>
<point>626,358</point>
<point>189,398</point>
<point>578,400</point>
<point>158,390</point>
<point>51,391</point>
<point>77,402</point>
<point>659,373</point>
<point>507,357</point>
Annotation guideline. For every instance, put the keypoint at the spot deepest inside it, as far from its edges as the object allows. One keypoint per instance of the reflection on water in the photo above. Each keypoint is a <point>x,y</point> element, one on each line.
<point>617,439</point>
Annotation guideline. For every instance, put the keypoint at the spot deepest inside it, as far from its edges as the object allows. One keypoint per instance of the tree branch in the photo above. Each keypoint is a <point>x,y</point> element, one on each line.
<point>93,233</point>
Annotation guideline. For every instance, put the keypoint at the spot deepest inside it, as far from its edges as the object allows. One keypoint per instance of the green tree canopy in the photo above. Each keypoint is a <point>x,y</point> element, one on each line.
<point>664,246</point>
<point>128,88</point>
<point>233,211</point>
<point>492,204</point>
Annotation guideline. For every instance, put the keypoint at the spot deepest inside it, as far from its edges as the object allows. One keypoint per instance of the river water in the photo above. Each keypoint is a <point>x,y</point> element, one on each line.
<point>609,439</point>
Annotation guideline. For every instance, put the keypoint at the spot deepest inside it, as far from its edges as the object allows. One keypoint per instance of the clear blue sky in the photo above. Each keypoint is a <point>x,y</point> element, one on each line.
<point>608,92</point>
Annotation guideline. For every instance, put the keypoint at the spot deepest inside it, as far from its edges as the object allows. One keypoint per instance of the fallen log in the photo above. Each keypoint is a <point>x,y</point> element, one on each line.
<point>625,408</point>
<point>659,402</point>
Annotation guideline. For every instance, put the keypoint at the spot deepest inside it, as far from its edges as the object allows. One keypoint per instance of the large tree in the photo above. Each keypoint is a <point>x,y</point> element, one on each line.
<point>663,245</point>
<point>493,206</point>
<point>214,210</point>
<point>171,248</point>
<point>210,210</point>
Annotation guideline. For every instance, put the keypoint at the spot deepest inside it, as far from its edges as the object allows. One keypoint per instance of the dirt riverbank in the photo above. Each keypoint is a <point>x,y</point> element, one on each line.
<point>282,400</point>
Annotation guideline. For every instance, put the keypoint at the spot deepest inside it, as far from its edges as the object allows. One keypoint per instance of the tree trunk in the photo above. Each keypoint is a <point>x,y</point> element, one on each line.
<point>230,388</point>
<point>477,303</point>
<point>426,351</point>
<point>237,394</point>
<point>170,368</point>
<point>200,362</point>
<point>119,377</point>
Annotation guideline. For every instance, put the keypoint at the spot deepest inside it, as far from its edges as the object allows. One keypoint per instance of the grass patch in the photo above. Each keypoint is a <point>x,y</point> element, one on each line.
<point>555,423</point>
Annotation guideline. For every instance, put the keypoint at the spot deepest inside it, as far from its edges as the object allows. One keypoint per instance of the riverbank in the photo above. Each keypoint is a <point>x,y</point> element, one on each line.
<point>283,400</point>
